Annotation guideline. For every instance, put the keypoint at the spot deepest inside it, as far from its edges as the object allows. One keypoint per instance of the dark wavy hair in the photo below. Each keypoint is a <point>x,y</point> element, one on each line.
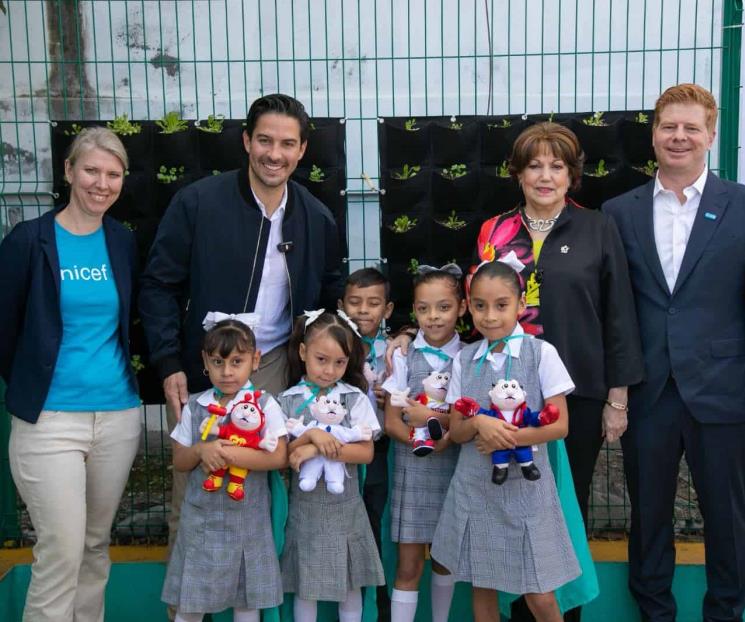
<point>278,104</point>
<point>332,325</point>
<point>229,335</point>
<point>499,270</point>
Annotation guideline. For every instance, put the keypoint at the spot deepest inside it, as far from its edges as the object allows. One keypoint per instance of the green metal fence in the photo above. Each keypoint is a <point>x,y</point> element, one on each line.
<point>358,59</point>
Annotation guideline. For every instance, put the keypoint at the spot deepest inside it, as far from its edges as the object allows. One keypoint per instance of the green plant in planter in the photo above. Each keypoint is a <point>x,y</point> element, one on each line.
<point>406,172</point>
<point>599,171</point>
<point>129,225</point>
<point>455,124</point>
<point>413,266</point>
<point>172,123</point>
<point>503,170</point>
<point>596,120</point>
<point>462,327</point>
<point>215,171</point>
<point>311,125</point>
<point>403,223</point>
<point>169,175</point>
<point>316,174</point>
<point>136,363</point>
<point>640,117</point>
<point>453,222</point>
<point>551,117</point>
<point>504,123</point>
<point>410,125</point>
<point>74,130</point>
<point>454,171</point>
<point>650,168</point>
<point>412,317</point>
<point>213,124</point>
<point>122,126</point>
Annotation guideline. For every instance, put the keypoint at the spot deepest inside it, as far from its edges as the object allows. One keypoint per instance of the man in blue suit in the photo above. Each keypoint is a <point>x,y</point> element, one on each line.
<point>684,235</point>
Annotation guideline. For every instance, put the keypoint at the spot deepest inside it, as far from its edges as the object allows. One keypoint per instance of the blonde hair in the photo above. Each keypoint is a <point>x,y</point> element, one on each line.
<point>560,141</point>
<point>688,93</point>
<point>97,137</point>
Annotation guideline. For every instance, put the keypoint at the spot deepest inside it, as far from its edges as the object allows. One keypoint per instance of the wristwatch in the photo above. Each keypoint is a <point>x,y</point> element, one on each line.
<point>617,405</point>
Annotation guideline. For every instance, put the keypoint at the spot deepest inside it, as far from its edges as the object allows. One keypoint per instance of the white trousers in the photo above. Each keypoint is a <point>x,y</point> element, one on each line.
<point>70,469</point>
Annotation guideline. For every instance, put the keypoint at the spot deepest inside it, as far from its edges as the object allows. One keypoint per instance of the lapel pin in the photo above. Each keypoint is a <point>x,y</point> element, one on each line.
<point>564,249</point>
<point>710,216</point>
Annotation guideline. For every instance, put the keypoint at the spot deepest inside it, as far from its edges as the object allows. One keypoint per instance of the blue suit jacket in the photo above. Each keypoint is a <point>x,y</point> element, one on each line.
<point>696,333</point>
<point>30,317</point>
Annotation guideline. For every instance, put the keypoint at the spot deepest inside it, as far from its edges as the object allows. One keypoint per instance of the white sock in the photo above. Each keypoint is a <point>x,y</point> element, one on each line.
<point>188,617</point>
<point>350,610</point>
<point>246,615</point>
<point>305,610</point>
<point>442,586</point>
<point>403,605</point>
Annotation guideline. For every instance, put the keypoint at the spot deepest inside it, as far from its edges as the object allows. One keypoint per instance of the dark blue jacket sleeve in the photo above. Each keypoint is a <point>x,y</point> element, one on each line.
<point>15,265</point>
<point>164,284</point>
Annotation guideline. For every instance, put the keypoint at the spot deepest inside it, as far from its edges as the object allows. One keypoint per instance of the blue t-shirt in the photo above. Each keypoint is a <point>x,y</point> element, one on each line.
<point>91,373</point>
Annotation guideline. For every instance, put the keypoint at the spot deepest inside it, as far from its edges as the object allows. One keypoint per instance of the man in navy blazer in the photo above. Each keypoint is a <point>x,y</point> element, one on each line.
<point>684,235</point>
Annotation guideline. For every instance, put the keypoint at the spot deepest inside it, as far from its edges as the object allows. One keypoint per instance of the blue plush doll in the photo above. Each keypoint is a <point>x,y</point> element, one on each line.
<point>508,404</point>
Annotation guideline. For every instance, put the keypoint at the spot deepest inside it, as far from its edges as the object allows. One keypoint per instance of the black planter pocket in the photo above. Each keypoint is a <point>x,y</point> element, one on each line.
<point>326,190</point>
<point>399,146</point>
<point>63,133</point>
<point>400,194</point>
<point>399,242</point>
<point>595,190</point>
<point>498,194</point>
<point>325,143</point>
<point>497,140</point>
<point>599,142</point>
<point>220,152</point>
<point>165,192</point>
<point>178,149</point>
<point>455,236</point>
<point>455,145</point>
<point>139,149</point>
<point>636,139</point>
<point>402,288</point>
<point>634,177</point>
<point>136,199</point>
<point>460,194</point>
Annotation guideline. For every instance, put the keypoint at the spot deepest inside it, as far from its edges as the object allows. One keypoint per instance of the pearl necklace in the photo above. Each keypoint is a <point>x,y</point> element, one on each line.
<point>540,224</point>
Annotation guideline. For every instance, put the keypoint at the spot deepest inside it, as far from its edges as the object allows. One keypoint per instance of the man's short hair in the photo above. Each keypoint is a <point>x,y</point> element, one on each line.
<point>278,104</point>
<point>367,277</point>
<point>688,93</point>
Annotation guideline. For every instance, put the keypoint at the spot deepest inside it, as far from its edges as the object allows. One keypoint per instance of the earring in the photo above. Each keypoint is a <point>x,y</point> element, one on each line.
<point>205,372</point>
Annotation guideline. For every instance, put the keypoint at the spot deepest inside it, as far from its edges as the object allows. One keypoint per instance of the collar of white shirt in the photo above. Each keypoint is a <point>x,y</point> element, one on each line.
<point>208,397</point>
<point>280,208</point>
<point>697,186</point>
<point>339,388</point>
<point>451,348</point>
<point>512,346</point>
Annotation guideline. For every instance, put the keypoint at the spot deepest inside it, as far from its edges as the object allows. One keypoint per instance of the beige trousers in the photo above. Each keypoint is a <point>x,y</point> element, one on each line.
<point>70,469</point>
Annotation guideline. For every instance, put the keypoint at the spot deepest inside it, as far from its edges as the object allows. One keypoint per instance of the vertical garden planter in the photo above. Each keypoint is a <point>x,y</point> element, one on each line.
<point>176,149</point>
<point>325,143</point>
<point>136,198</point>
<point>498,194</point>
<point>221,151</point>
<point>460,194</point>
<point>401,246</point>
<point>401,194</point>
<point>595,190</point>
<point>455,243</point>
<point>497,140</point>
<point>598,141</point>
<point>636,139</point>
<point>164,192</point>
<point>139,149</point>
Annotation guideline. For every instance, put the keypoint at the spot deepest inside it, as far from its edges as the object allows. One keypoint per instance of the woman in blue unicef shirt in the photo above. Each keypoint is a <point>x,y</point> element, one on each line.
<point>65,289</point>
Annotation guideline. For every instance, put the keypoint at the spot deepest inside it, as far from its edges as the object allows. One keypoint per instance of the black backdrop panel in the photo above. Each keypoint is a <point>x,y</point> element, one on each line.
<point>441,177</point>
<point>144,197</point>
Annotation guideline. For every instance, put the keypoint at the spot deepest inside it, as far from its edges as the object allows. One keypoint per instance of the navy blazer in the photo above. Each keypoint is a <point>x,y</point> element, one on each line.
<point>696,333</point>
<point>30,316</point>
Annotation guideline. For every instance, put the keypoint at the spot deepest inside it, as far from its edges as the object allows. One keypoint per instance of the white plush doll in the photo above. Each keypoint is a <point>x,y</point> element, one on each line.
<point>328,414</point>
<point>434,389</point>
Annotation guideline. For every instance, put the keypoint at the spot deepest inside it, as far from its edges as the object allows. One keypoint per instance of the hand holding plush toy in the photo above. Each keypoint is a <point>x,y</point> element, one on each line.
<point>508,404</point>
<point>435,387</point>
<point>328,414</point>
<point>244,429</point>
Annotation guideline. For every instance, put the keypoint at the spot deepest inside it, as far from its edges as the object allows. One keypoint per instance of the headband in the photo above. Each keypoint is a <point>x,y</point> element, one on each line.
<point>449,268</point>
<point>212,318</point>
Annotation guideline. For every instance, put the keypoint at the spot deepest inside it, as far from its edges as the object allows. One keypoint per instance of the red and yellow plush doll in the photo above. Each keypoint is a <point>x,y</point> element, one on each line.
<point>244,429</point>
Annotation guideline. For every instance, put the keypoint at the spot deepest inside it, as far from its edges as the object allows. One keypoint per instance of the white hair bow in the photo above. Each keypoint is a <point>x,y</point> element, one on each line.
<point>510,259</point>
<point>349,321</point>
<point>252,320</point>
<point>312,316</point>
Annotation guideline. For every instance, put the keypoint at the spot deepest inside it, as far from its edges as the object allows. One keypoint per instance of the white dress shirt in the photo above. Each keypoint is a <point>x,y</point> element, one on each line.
<point>273,299</point>
<point>673,223</point>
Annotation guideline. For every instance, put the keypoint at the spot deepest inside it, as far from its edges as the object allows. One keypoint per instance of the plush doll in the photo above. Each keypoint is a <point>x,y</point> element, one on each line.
<point>508,404</point>
<point>435,387</point>
<point>371,376</point>
<point>328,414</point>
<point>244,429</point>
